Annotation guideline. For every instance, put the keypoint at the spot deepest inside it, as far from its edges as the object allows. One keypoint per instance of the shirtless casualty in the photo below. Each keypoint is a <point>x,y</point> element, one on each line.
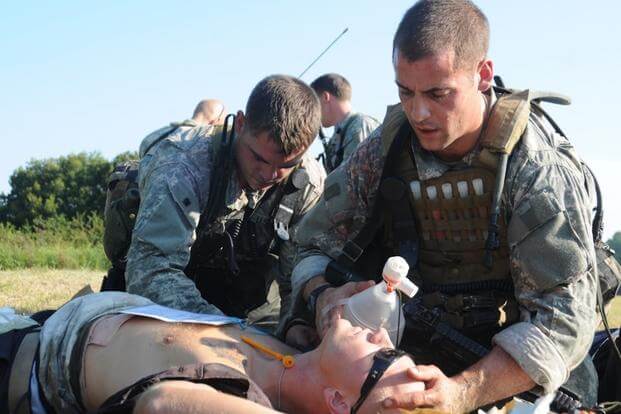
<point>115,352</point>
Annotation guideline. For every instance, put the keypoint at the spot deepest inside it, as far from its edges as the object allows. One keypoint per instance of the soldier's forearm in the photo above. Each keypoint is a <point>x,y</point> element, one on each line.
<point>493,378</point>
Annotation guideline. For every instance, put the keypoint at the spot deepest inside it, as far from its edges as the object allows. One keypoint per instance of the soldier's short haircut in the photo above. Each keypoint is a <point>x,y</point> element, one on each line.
<point>287,109</point>
<point>335,84</point>
<point>433,26</point>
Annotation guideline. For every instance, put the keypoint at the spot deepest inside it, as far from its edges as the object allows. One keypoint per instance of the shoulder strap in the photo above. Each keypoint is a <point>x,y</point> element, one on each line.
<point>150,142</point>
<point>223,164</point>
<point>394,136</point>
<point>505,125</point>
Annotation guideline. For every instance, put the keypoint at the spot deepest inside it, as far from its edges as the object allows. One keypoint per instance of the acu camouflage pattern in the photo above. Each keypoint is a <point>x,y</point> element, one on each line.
<point>348,134</point>
<point>548,203</point>
<point>175,182</point>
<point>123,196</point>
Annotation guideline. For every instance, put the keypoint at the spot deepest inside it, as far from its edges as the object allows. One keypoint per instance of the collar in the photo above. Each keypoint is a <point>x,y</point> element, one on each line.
<point>237,198</point>
<point>343,122</point>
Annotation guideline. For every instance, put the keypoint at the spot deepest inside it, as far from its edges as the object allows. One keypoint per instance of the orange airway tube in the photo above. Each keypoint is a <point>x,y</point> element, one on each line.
<point>287,360</point>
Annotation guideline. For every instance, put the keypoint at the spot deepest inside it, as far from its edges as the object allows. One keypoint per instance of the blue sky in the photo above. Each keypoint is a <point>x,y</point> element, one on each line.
<point>86,76</point>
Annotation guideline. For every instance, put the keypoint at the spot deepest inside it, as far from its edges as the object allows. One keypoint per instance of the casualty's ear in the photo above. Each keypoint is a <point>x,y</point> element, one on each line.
<point>486,74</point>
<point>335,401</point>
<point>240,121</point>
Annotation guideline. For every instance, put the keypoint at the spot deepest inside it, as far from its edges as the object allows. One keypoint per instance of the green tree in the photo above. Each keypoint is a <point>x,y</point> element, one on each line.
<point>68,186</point>
<point>615,243</point>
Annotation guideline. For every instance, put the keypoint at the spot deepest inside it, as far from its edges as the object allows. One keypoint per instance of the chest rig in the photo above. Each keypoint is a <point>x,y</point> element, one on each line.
<point>234,251</point>
<point>453,226</point>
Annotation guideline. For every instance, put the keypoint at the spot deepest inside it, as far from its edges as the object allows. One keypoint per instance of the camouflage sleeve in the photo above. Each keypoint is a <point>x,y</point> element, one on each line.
<point>552,262</point>
<point>340,213</point>
<point>287,252</point>
<point>360,129</point>
<point>161,241</point>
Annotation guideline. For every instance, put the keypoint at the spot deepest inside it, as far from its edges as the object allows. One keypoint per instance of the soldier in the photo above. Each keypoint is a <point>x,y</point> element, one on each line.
<point>212,232</point>
<point>350,128</point>
<point>422,186</point>
<point>209,112</point>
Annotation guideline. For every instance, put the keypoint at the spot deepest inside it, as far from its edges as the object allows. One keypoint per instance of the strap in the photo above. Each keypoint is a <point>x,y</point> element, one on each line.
<point>166,132</point>
<point>353,248</point>
<point>341,148</point>
<point>19,380</point>
<point>223,157</point>
<point>290,193</point>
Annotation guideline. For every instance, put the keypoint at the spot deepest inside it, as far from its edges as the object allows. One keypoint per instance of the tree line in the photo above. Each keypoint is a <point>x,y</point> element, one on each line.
<point>73,187</point>
<point>69,186</point>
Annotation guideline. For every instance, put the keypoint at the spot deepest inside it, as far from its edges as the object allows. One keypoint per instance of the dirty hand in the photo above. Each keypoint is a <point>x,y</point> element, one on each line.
<point>441,393</point>
<point>329,300</point>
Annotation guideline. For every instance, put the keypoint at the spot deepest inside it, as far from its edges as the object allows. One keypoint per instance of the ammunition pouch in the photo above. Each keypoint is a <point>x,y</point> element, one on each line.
<point>608,270</point>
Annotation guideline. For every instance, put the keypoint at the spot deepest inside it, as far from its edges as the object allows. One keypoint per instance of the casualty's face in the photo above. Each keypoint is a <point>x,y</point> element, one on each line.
<point>347,356</point>
<point>261,162</point>
<point>442,103</point>
<point>347,353</point>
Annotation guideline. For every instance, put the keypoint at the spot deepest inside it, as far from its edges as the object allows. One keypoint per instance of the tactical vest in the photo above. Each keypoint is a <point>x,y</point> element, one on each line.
<point>231,260</point>
<point>451,215</point>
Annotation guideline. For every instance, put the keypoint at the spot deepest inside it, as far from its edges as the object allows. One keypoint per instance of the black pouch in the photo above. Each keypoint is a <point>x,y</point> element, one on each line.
<point>609,271</point>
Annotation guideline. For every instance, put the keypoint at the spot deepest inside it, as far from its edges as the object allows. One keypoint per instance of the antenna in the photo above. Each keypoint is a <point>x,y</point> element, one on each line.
<point>324,51</point>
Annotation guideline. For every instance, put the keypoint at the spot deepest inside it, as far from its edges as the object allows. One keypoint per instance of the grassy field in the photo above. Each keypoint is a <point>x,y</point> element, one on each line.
<point>31,290</point>
<point>614,314</point>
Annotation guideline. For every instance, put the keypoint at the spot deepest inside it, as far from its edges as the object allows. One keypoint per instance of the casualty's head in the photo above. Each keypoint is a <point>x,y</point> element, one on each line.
<point>346,356</point>
<point>281,121</point>
<point>441,71</point>
<point>334,92</point>
<point>209,112</point>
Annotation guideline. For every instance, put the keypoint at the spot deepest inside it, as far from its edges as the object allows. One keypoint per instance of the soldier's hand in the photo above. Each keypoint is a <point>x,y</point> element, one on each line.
<point>302,337</point>
<point>329,300</point>
<point>441,393</point>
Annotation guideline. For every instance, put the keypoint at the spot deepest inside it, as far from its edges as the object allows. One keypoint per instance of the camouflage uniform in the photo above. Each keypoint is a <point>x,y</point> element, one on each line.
<point>348,134</point>
<point>174,181</point>
<point>548,202</point>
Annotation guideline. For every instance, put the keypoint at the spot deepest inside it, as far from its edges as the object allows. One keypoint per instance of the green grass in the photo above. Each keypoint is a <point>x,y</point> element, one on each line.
<point>614,313</point>
<point>55,243</point>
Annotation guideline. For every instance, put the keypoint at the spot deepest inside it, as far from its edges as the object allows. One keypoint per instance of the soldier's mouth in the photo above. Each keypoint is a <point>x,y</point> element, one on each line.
<point>426,131</point>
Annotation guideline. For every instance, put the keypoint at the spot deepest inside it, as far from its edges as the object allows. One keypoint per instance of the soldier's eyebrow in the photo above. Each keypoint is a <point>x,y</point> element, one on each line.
<point>290,164</point>
<point>403,86</point>
<point>427,91</point>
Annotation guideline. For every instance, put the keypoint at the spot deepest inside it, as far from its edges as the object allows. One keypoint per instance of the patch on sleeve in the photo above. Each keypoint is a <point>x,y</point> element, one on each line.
<point>335,194</point>
<point>186,199</point>
<point>545,249</point>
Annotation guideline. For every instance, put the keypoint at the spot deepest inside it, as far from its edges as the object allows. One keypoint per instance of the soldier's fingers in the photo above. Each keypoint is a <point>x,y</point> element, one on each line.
<point>419,399</point>
<point>352,288</point>
<point>360,286</point>
<point>424,373</point>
